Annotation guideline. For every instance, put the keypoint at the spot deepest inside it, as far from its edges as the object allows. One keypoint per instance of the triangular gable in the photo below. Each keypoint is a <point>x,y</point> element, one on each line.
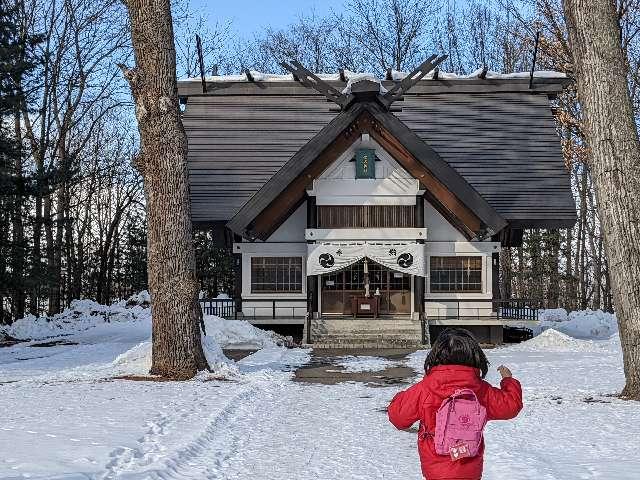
<point>447,190</point>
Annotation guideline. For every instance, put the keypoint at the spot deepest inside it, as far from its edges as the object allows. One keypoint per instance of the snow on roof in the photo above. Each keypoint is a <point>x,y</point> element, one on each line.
<point>353,77</point>
<point>491,75</point>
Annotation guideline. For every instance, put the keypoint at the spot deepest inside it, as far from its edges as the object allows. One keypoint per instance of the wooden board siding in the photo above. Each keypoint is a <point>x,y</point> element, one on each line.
<point>366,216</point>
<point>508,149</point>
<point>237,143</point>
<point>503,143</point>
<point>284,192</point>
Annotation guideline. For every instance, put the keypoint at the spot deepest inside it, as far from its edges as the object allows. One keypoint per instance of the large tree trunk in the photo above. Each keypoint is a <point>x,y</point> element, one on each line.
<point>611,133</point>
<point>177,347</point>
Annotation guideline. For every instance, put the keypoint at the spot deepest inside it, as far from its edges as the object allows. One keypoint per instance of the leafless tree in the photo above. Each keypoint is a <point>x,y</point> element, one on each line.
<point>177,346</point>
<point>391,33</point>
<point>614,159</point>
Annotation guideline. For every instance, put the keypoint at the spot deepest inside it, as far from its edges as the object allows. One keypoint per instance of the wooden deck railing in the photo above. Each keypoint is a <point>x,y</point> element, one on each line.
<point>464,309</point>
<point>233,307</point>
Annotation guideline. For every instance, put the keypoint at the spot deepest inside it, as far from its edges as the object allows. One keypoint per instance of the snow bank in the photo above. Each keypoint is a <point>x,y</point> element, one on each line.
<point>83,315</point>
<point>240,333</point>
<point>80,316</point>
<point>585,324</point>
<point>137,361</point>
<point>554,341</point>
<point>143,298</point>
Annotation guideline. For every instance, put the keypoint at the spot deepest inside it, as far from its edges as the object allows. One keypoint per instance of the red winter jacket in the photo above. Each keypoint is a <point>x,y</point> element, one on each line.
<point>421,402</point>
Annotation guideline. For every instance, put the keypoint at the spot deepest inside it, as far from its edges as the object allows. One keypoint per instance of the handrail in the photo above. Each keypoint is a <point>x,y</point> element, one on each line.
<point>226,307</point>
<point>500,309</point>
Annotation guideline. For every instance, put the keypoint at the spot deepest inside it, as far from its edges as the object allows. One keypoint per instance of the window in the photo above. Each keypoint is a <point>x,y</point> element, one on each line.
<point>456,274</point>
<point>276,274</point>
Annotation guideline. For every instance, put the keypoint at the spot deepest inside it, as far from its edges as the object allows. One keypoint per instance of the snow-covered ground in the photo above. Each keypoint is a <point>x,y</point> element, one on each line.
<point>66,417</point>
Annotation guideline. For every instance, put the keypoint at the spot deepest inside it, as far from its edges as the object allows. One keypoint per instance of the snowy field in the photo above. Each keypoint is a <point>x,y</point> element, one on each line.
<point>66,417</point>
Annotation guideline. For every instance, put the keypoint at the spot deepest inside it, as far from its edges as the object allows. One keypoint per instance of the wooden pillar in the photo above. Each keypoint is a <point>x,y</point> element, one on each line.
<point>237,276</point>
<point>495,275</point>
<point>419,282</point>
<point>312,212</point>
<point>313,281</point>
<point>418,221</point>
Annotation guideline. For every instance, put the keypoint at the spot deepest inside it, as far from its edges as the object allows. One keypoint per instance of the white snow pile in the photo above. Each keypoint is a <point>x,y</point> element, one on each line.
<point>80,316</point>
<point>143,299</point>
<point>240,334</point>
<point>353,364</point>
<point>554,341</point>
<point>584,324</point>
<point>137,361</point>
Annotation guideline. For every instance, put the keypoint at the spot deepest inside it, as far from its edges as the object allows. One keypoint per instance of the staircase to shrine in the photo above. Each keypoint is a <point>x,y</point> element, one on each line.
<point>348,332</point>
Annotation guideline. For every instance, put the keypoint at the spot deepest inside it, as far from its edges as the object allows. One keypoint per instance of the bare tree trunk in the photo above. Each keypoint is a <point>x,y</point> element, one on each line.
<point>520,276</point>
<point>582,228</point>
<point>506,272</point>
<point>553,247</point>
<point>569,286</point>
<point>177,347</point>
<point>594,35</point>
<point>20,249</point>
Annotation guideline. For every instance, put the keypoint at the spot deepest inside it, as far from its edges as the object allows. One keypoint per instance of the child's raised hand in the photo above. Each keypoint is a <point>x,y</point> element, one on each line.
<point>504,371</point>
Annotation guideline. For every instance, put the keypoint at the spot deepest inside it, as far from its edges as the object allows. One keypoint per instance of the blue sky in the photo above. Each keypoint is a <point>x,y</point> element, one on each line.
<point>249,16</point>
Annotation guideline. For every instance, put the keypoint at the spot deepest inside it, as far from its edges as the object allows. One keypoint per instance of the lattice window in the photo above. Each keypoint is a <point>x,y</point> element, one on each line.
<point>276,274</point>
<point>456,274</point>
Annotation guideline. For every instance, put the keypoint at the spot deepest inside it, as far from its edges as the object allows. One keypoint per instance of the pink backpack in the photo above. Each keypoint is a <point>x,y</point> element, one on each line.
<point>459,424</point>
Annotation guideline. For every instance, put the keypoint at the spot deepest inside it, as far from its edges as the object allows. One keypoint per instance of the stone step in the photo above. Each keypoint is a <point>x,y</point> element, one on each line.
<point>364,338</point>
<point>367,327</point>
<point>325,328</point>
<point>368,345</point>
<point>391,335</point>
<point>359,323</point>
<point>366,335</point>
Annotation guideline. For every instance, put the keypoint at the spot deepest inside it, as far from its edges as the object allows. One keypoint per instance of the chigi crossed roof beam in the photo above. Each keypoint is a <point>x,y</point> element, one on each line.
<point>311,80</point>
<point>410,80</point>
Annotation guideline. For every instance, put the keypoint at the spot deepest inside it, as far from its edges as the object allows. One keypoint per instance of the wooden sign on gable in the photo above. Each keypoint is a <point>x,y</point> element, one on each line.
<point>365,163</point>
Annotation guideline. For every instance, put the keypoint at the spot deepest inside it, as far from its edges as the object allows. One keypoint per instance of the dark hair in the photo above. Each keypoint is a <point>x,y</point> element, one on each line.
<point>457,346</point>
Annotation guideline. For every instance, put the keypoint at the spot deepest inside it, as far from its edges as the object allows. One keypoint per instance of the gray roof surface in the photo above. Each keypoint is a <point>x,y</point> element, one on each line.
<point>497,135</point>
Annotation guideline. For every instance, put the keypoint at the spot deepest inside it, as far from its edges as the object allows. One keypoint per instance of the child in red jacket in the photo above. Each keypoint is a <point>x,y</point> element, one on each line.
<point>455,362</point>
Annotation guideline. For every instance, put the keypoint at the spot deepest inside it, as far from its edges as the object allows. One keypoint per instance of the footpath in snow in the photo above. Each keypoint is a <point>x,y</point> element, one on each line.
<point>66,417</point>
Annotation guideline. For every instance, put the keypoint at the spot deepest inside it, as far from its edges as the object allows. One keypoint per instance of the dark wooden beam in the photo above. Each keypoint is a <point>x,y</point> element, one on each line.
<point>547,86</point>
<point>483,73</point>
<point>343,77</point>
<point>250,78</point>
<point>311,80</point>
<point>411,79</point>
<point>286,203</point>
<point>437,193</point>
